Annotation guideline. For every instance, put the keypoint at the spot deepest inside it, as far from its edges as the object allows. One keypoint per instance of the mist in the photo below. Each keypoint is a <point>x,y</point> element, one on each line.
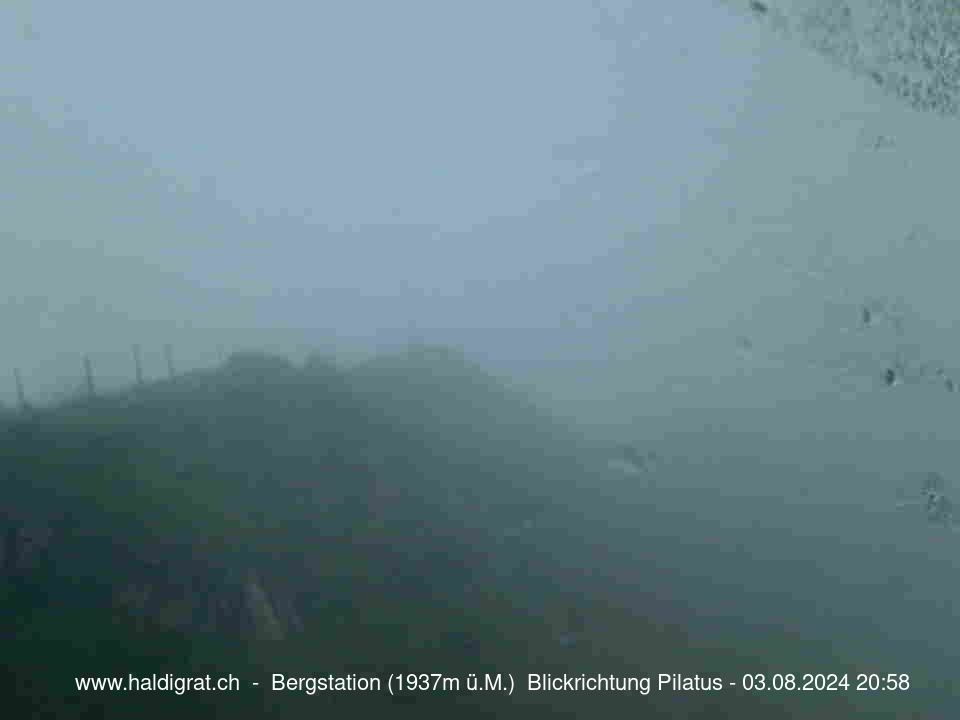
<point>286,182</point>
<point>288,176</point>
<point>663,220</point>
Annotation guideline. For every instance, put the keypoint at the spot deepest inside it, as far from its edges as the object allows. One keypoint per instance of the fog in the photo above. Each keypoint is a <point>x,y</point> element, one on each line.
<point>599,208</point>
<point>667,220</point>
<point>596,206</point>
<point>316,177</point>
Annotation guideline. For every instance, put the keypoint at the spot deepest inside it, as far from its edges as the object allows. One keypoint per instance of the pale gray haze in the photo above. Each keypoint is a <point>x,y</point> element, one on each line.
<point>716,229</point>
<point>597,198</point>
<point>592,195</point>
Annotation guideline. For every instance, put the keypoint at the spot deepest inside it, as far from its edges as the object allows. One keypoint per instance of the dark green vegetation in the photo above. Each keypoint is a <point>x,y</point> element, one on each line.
<point>411,514</point>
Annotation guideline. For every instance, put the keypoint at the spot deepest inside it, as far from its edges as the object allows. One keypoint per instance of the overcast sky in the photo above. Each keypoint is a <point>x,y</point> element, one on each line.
<point>590,194</point>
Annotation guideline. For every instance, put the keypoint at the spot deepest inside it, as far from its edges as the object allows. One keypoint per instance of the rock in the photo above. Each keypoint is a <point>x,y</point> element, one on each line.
<point>266,622</point>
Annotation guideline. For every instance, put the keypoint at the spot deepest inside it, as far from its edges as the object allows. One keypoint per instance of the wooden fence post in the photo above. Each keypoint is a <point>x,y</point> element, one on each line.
<point>137,364</point>
<point>168,353</point>
<point>88,369</point>
<point>21,395</point>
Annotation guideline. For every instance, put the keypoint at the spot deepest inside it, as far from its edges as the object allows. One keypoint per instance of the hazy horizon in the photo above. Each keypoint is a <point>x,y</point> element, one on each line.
<point>597,208</point>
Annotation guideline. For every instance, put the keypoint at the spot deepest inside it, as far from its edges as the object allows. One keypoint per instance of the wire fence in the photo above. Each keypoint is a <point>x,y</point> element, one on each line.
<point>58,378</point>
<point>87,383</point>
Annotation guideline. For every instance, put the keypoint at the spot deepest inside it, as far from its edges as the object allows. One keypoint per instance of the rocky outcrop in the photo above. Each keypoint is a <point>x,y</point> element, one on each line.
<point>247,608</point>
<point>266,623</point>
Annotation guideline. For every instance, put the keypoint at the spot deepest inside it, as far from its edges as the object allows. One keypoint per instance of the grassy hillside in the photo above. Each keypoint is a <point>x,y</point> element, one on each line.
<point>412,514</point>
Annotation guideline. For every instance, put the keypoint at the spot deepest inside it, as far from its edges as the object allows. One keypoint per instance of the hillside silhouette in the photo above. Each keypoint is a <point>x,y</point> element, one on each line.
<point>411,513</point>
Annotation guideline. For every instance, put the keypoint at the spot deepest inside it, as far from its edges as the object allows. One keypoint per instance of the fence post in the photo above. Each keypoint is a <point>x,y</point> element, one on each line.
<point>21,395</point>
<point>137,364</point>
<point>88,369</point>
<point>168,353</point>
